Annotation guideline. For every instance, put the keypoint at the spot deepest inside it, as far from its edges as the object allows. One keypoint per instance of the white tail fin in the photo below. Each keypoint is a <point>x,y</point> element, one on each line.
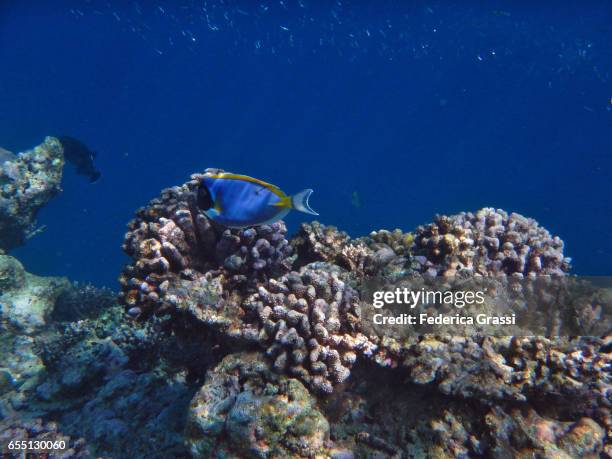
<point>299,201</point>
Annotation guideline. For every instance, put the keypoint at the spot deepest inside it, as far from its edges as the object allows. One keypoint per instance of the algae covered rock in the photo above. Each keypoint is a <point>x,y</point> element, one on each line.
<point>27,183</point>
<point>101,379</point>
<point>20,366</point>
<point>245,410</point>
<point>525,434</point>
<point>12,274</point>
<point>26,300</point>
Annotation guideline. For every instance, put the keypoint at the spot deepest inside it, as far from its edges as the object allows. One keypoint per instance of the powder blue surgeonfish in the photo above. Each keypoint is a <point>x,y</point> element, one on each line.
<point>239,201</point>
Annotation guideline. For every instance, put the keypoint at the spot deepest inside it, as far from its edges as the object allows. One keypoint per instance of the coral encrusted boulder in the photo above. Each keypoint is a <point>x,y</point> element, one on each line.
<point>27,183</point>
<point>245,410</point>
<point>27,301</point>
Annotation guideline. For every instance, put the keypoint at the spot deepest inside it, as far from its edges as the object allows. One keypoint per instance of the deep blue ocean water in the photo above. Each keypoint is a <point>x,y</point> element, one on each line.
<point>416,108</point>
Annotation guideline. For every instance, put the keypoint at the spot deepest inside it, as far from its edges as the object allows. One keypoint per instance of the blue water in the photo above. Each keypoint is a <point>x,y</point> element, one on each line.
<point>418,107</point>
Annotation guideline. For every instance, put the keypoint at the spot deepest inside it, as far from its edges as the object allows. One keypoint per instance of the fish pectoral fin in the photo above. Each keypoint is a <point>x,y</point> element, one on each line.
<point>217,206</point>
<point>212,213</point>
<point>284,202</point>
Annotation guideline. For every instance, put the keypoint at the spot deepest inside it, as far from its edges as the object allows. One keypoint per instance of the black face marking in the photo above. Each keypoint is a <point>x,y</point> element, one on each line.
<point>204,199</point>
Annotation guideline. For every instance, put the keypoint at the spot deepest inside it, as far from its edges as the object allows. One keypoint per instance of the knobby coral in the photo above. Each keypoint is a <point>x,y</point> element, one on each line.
<point>308,321</point>
<point>489,242</point>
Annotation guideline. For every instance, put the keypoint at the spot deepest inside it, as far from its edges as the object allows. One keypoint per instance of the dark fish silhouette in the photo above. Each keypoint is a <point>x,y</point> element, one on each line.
<point>79,154</point>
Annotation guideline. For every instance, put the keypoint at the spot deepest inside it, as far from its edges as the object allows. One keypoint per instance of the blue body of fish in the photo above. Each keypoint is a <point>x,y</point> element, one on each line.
<point>239,201</point>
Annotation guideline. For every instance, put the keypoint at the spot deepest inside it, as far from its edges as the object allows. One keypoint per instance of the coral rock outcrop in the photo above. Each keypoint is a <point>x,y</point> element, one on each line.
<point>27,183</point>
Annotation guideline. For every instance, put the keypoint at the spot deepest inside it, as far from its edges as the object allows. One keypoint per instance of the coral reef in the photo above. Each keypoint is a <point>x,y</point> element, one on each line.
<point>20,367</point>
<point>91,375</point>
<point>110,382</point>
<point>531,434</point>
<point>185,264</point>
<point>489,242</point>
<point>512,369</point>
<point>242,343</point>
<point>514,433</point>
<point>384,416</point>
<point>27,183</point>
<point>299,315</point>
<point>401,243</point>
<point>317,242</point>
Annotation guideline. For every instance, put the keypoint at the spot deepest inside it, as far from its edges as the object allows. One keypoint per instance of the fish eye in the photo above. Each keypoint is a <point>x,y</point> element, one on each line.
<point>204,198</point>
